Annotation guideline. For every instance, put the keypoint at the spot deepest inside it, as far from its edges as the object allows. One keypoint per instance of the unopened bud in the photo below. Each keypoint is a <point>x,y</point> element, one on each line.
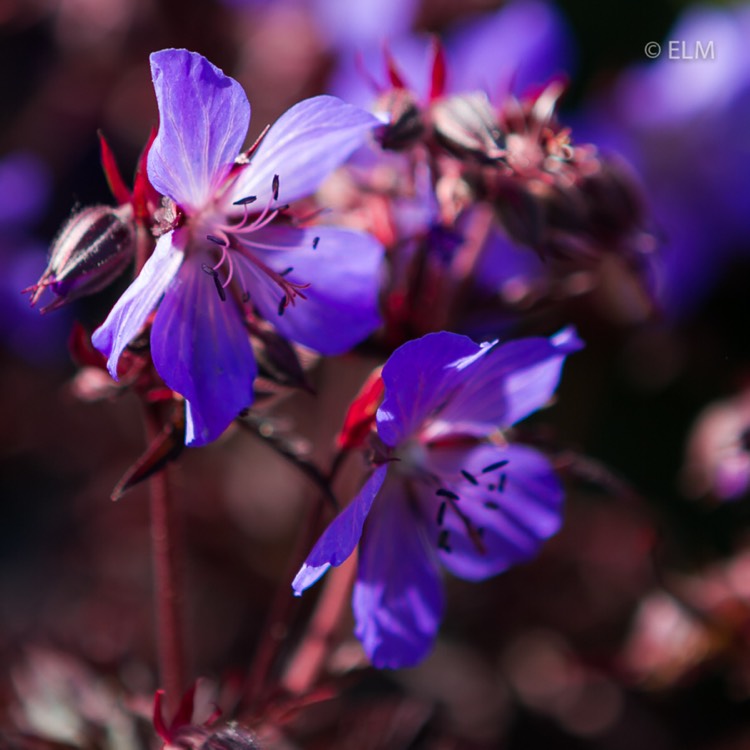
<point>93,248</point>
<point>405,125</point>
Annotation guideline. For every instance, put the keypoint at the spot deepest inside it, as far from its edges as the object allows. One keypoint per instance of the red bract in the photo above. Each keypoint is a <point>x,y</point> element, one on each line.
<point>360,418</point>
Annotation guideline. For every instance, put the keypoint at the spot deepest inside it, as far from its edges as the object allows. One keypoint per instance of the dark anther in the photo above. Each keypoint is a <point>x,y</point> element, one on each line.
<point>441,514</point>
<point>501,485</point>
<point>315,243</point>
<point>219,288</point>
<point>480,532</point>
<point>469,477</point>
<point>492,467</point>
<point>490,487</point>
<point>246,201</point>
<point>275,187</point>
<point>447,493</point>
<point>245,296</point>
<point>282,304</point>
<point>491,505</point>
<point>215,239</point>
<point>443,541</point>
<point>286,271</point>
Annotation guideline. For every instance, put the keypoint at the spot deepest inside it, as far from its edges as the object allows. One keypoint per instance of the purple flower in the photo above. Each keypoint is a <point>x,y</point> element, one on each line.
<point>226,262</point>
<point>442,492</point>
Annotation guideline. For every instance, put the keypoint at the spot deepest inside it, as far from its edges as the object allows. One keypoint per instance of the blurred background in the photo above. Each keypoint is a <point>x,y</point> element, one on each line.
<point>632,629</point>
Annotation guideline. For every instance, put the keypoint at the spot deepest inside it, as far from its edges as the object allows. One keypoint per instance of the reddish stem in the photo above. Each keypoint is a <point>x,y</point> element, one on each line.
<point>309,660</point>
<point>167,571</point>
<point>275,627</point>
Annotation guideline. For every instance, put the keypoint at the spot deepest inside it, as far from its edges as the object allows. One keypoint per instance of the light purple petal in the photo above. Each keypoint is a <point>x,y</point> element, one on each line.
<point>341,537</point>
<point>129,314</point>
<point>398,597</point>
<point>203,121</point>
<point>201,348</point>
<point>420,377</point>
<point>303,147</point>
<point>505,517</point>
<point>341,305</point>
<point>508,384</point>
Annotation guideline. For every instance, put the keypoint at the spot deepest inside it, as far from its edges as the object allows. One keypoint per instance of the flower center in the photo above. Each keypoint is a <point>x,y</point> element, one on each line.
<point>237,237</point>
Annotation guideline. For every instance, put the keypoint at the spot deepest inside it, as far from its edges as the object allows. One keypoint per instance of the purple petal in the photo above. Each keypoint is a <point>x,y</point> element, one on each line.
<point>129,314</point>
<point>303,147</point>
<point>420,377</point>
<point>398,597</point>
<point>340,308</point>
<point>507,385</point>
<point>201,348</point>
<point>203,121</point>
<point>341,537</point>
<point>504,517</point>
<point>525,43</point>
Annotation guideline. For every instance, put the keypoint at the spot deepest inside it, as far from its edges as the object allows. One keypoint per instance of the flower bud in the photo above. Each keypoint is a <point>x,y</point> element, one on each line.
<point>467,125</point>
<point>93,248</point>
<point>405,125</point>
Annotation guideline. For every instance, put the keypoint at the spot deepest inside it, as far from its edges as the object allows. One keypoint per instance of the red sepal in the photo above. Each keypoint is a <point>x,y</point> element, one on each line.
<point>394,76</point>
<point>144,192</point>
<point>112,173</point>
<point>165,448</point>
<point>82,350</point>
<point>437,76</point>
<point>361,414</point>
<point>183,719</point>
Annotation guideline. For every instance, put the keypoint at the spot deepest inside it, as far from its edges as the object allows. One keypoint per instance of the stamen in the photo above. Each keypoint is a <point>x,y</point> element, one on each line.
<point>492,467</point>
<point>283,302</point>
<point>216,240</point>
<point>441,513</point>
<point>491,505</point>
<point>246,201</point>
<point>443,541</point>
<point>315,243</point>
<point>447,493</point>
<point>275,187</point>
<point>501,485</point>
<point>219,288</point>
<point>286,271</point>
<point>469,477</point>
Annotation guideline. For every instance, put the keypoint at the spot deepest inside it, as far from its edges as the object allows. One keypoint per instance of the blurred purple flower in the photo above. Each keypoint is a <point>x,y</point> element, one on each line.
<point>222,263</point>
<point>524,43</point>
<point>25,187</point>
<point>683,124</point>
<point>344,24</point>
<point>442,491</point>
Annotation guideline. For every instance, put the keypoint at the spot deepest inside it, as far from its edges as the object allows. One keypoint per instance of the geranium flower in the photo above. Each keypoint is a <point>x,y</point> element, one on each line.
<point>226,262</point>
<point>442,492</point>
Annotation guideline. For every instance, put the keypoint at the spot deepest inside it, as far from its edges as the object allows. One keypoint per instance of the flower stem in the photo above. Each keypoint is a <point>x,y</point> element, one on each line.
<point>167,571</point>
<point>308,662</point>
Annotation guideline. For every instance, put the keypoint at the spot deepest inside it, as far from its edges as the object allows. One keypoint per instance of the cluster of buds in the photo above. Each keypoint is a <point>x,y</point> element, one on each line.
<point>456,168</point>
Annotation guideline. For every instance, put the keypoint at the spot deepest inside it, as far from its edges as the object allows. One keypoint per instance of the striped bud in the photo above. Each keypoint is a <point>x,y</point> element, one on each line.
<point>92,249</point>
